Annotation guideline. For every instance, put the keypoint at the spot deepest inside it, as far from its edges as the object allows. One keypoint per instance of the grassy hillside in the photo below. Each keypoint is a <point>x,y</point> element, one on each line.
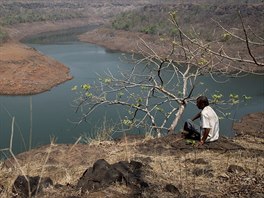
<point>153,19</point>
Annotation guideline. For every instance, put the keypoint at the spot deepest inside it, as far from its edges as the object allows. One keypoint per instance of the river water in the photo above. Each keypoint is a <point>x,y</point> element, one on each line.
<point>52,112</point>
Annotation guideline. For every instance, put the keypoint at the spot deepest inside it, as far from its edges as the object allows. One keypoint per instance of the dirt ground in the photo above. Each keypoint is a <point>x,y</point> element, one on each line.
<point>230,167</point>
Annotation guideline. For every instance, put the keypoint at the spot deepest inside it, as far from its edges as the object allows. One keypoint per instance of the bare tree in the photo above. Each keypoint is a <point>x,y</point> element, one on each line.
<point>160,85</point>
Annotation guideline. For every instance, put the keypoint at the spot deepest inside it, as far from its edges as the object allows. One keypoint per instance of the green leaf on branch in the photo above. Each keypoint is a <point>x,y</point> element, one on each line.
<point>127,122</point>
<point>139,100</point>
<point>217,97</point>
<point>135,105</point>
<point>173,15</point>
<point>246,98</point>
<point>226,36</point>
<point>86,87</point>
<point>159,109</point>
<point>202,61</point>
<point>227,115</point>
<point>234,98</point>
<point>192,142</point>
<point>107,80</point>
<point>143,87</point>
<point>88,94</point>
<point>74,88</point>
<point>120,94</point>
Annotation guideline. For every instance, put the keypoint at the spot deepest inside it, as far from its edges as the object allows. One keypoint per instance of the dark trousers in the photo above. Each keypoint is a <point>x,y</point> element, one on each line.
<point>192,131</point>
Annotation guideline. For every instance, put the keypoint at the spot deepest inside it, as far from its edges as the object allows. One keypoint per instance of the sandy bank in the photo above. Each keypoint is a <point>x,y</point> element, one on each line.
<point>25,71</point>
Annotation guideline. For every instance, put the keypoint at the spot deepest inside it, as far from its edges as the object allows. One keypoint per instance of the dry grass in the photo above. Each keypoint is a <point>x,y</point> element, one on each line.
<point>65,164</point>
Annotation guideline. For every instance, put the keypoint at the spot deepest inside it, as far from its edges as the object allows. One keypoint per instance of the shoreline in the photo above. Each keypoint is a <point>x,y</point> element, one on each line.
<point>130,42</point>
<point>152,45</point>
<point>124,41</point>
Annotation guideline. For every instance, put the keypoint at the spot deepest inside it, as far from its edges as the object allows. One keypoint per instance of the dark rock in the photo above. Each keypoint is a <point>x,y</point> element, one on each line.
<point>92,176</point>
<point>172,189</point>
<point>102,175</point>
<point>143,184</point>
<point>235,169</point>
<point>113,175</point>
<point>136,165</point>
<point>30,186</point>
<point>124,169</point>
<point>101,164</point>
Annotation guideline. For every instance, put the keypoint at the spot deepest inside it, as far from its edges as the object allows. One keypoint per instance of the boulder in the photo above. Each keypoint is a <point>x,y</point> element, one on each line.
<point>26,186</point>
<point>102,175</point>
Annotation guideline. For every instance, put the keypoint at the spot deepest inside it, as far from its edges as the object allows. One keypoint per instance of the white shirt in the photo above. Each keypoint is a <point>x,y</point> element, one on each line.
<point>209,119</point>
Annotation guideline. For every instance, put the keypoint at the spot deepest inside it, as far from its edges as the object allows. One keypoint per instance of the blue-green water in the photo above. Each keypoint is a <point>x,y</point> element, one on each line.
<point>53,113</point>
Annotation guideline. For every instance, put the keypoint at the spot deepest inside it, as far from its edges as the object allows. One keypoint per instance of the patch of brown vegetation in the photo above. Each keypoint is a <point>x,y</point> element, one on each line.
<point>227,168</point>
<point>25,71</point>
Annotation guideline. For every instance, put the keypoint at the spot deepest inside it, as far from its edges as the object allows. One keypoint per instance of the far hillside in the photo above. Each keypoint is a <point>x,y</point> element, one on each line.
<point>201,16</point>
<point>148,16</point>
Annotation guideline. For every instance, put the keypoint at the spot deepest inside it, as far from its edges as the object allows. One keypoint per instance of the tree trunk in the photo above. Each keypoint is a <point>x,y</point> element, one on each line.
<point>178,115</point>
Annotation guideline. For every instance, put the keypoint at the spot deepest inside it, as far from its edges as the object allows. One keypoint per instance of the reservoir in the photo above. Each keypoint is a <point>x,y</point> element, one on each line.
<point>51,115</point>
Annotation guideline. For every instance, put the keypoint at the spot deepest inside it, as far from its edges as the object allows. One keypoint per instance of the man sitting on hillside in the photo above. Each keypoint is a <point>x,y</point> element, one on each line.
<point>209,124</point>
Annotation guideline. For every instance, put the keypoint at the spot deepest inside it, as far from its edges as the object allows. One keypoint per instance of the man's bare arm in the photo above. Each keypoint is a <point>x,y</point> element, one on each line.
<point>196,116</point>
<point>205,135</point>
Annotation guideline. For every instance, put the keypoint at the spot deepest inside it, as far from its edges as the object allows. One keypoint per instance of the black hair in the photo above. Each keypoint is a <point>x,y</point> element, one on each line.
<point>203,99</point>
